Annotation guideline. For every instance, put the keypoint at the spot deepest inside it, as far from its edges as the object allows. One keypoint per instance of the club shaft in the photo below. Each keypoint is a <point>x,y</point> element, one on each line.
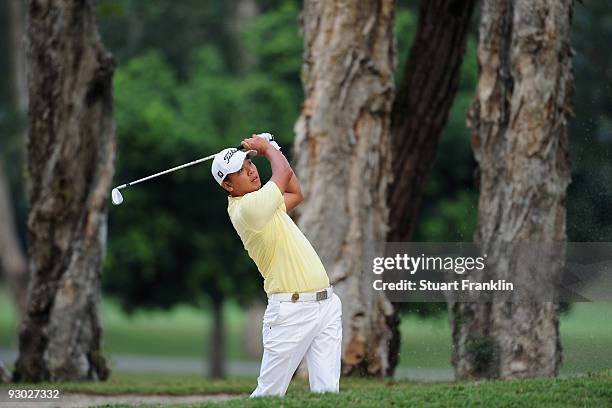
<point>131,183</point>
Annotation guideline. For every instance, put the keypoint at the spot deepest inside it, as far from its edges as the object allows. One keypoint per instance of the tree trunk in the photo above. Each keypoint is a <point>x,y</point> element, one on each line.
<point>420,111</point>
<point>217,349</point>
<point>12,260</point>
<point>519,136</point>
<point>423,102</point>
<point>71,149</point>
<point>343,160</point>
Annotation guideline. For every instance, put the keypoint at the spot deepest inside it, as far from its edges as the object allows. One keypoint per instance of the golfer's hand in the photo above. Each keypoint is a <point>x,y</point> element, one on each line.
<point>258,144</point>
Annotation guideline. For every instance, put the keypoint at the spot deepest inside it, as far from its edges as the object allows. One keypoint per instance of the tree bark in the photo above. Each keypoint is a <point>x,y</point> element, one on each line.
<point>217,349</point>
<point>423,102</point>
<point>343,160</point>
<point>71,149</point>
<point>519,137</point>
<point>420,111</point>
<point>12,260</point>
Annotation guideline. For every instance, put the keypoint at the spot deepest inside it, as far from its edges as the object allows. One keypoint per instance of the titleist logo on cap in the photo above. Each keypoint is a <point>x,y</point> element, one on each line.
<point>229,155</point>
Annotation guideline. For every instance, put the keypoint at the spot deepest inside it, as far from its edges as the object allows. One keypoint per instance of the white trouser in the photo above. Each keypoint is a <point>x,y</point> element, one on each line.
<point>294,330</point>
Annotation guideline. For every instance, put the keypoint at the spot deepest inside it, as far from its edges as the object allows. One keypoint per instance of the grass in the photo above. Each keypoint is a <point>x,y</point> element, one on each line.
<point>586,335</point>
<point>153,384</point>
<point>593,390</point>
<point>180,332</point>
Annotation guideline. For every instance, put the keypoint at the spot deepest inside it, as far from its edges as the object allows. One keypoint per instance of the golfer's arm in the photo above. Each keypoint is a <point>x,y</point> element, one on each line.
<point>293,194</point>
<point>281,170</point>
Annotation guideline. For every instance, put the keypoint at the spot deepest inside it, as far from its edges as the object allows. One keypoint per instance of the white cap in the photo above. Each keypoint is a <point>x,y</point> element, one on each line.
<point>229,161</point>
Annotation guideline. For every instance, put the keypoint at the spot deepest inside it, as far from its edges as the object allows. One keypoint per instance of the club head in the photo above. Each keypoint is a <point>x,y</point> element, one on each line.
<point>116,196</point>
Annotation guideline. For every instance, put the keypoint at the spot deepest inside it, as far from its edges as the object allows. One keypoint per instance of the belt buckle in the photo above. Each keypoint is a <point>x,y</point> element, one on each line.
<point>295,297</point>
<point>322,295</point>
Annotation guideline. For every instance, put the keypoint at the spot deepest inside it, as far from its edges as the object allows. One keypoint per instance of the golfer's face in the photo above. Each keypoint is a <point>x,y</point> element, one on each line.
<point>246,179</point>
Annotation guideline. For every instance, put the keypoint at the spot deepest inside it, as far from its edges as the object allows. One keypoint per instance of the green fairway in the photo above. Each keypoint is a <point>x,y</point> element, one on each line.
<point>594,390</point>
<point>586,335</point>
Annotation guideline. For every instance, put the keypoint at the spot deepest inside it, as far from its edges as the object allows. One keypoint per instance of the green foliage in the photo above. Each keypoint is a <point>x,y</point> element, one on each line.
<point>455,220</point>
<point>405,29</point>
<point>273,37</point>
<point>589,202</point>
<point>175,28</point>
<point>172,241</point>
<point>157,253</point>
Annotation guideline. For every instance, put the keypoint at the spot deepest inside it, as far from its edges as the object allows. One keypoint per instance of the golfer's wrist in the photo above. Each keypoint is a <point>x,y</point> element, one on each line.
<point>269,150</point>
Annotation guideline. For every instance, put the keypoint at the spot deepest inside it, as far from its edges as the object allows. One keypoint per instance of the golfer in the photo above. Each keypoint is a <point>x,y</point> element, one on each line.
<point>303,316</point>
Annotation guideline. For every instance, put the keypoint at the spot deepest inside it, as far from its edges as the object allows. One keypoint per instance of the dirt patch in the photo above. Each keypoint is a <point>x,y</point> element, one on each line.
<point>78,400</point>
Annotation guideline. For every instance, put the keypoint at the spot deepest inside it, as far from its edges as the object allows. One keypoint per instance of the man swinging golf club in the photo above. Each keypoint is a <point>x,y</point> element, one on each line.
<point>303,316</point>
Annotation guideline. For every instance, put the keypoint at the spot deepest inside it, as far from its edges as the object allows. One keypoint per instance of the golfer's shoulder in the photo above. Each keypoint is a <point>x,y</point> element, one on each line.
<point>233,208</point>
<point>258,207</point>
<point>268,194</point>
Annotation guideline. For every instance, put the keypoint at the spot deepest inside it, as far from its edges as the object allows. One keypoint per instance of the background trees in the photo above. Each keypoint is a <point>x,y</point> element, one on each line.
<point>187,82</point>
<point>429,84</point>
<point>71,147</point>
<point>190,253</point>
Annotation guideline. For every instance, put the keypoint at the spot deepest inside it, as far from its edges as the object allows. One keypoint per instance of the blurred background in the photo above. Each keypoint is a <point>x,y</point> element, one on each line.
<point>193,77</point>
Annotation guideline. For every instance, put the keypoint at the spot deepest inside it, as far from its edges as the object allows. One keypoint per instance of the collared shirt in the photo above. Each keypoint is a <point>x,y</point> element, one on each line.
<point>284,256</point>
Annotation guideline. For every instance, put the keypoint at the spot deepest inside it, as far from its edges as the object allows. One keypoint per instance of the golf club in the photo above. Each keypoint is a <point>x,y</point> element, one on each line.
<point>117,197</point>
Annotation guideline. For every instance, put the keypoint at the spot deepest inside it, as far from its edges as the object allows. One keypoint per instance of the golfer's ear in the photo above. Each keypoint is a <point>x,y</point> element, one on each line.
<point>227,185</point>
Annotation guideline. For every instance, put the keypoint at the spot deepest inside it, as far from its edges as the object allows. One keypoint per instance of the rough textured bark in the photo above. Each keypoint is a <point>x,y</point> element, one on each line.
<point>70,154</point>
<point>519,136</point>
<point>421,107</point>
<point>12,260</point>
<point>343,160</point>
<point>420,111</point>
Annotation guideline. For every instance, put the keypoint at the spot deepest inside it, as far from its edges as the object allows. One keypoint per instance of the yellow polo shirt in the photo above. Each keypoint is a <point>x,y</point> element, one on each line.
<point>283,255</point>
